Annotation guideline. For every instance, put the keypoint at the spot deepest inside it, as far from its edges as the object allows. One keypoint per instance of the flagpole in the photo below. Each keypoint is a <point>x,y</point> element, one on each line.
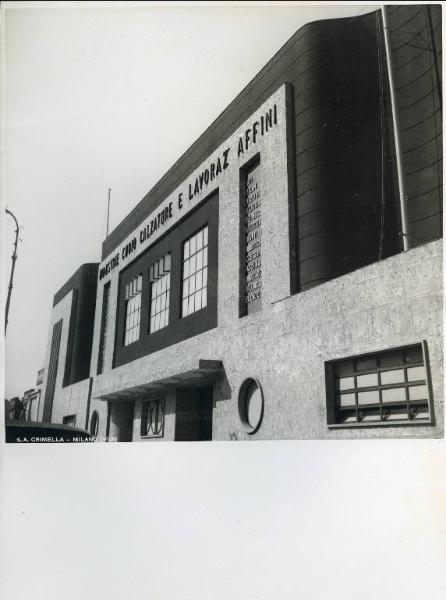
<point>396,134</point>
<point>108,212</point>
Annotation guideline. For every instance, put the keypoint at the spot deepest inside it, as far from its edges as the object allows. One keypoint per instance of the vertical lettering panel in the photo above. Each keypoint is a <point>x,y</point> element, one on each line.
<point>251,254</point>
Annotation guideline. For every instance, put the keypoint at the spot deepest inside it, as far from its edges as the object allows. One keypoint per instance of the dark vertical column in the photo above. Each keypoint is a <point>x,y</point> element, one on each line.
<point>104,323</point>
<point>71,333</point>
<point>52,372</point>
<point>205,398</point>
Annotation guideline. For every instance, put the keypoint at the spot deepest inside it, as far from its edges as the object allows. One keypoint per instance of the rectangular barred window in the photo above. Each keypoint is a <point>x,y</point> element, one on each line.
<point>159,277</point>
<point>132,310</point>
<point>152,418</point>
<point>104,323</point>
<point>390,387</point>
<point>195,272</point>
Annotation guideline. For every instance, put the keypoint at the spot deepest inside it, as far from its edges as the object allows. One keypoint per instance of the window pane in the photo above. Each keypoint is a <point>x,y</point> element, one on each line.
<point>416,373</point>
<point>367,380</point>
<point>418,392</point>
<point>199,280</point>
<point>371,397</point>
<point>396,414</point>
<point>351,418</point>
<point>394,395</point>
<point>391,359</point>
<point>420,412</point>
<point>199,240</point>
<point>347,400</point>
<point>191,304</point>
<point>199,260</point>
<point>414,355</point>
<point>198,301</point>
<point>366,363</point>
<point>371,415</point>
<point>345,367</point>
<point>388,377</point>
<point>346,383</point>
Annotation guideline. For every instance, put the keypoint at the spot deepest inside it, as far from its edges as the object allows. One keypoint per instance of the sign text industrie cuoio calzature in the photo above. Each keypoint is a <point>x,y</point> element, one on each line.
<point>211,173</point>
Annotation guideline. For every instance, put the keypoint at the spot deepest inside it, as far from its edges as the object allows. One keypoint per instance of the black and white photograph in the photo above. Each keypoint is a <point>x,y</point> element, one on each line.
<point>223,222</point>
<point>281,280</point>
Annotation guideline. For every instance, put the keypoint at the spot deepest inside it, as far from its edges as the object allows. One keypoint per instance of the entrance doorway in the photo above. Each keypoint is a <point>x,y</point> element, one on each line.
<point>121,421</point>
<point>193,420</point>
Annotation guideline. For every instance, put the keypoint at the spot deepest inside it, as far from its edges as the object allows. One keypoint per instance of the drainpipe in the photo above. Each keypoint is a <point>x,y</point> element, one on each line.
<point>396,134</point>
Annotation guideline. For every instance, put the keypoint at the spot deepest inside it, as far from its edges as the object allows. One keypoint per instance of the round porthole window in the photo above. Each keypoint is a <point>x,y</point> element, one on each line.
<point>250,403</point>
<point>94,423</point>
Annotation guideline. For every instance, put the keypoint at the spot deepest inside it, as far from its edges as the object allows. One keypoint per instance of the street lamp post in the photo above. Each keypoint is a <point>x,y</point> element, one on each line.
<point>13,258</point>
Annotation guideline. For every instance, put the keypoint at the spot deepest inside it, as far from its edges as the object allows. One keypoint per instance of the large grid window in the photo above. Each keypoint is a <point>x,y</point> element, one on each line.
<point>152,418</point>
<point>132,310</point>
<point>159,276</point>
<point>384,388</point>
<point>195,272</point>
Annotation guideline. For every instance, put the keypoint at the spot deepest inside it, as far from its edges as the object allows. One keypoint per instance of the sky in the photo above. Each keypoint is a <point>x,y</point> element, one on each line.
<point>109,96</point>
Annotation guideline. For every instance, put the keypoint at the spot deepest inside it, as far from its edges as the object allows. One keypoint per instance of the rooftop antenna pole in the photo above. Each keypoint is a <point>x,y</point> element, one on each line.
<point>13,258</point>
<point>108,212</point>
<point>396,134</point>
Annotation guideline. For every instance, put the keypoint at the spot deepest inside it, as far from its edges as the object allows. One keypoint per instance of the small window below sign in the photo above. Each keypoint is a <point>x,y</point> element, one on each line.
<point>250,402</point>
